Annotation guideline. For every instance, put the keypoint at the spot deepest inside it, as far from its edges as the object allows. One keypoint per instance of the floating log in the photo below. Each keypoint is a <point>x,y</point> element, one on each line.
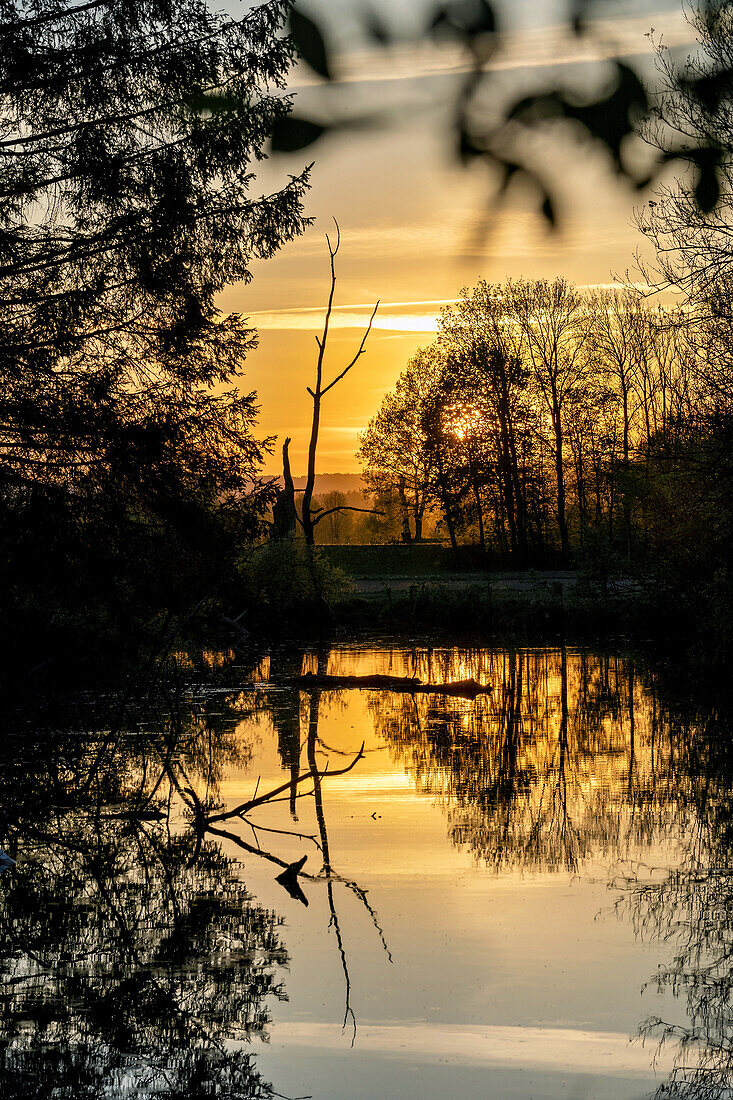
<point>463,689</point>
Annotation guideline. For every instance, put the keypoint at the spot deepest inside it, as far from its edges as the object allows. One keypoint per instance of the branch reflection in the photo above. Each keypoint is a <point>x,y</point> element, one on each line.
<point>134,960</point>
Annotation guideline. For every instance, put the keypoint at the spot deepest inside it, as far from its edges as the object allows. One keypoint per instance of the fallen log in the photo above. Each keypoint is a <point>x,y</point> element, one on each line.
<point>463,689</point>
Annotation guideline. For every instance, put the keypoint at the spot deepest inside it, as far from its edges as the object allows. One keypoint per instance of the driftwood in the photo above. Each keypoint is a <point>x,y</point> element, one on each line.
<point>464,689</point>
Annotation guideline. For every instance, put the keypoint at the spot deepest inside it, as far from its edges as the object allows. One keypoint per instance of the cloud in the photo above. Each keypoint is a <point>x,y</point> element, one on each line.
<point>536,47</point>
<point>356,316</point>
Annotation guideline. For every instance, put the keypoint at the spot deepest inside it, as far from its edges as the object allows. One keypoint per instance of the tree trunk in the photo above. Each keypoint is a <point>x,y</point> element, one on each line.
<point>479,510</point>
<point>507,472</point>
<point>418,509</point>
<point>308,527</point>
<point>448,514</point>
<point>627,451</point>
<point>283,512</point>
<point>560,475</point>
<point>405,510</point>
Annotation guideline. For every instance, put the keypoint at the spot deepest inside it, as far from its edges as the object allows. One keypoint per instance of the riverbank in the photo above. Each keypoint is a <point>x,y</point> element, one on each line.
<point>527,608</point>
<point>402,589</point>
<point>372,592</point>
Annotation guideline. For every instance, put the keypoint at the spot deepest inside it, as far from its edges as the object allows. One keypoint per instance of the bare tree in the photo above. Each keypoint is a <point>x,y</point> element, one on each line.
<point>621,343</point>
<point>554,324</point>
<point>311,516</point>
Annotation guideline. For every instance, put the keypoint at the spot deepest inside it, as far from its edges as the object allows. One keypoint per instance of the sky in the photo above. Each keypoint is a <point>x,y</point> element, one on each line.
<point>416,226</point>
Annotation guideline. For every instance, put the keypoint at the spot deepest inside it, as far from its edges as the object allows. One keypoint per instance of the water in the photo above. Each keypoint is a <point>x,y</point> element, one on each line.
<point>517,887</point>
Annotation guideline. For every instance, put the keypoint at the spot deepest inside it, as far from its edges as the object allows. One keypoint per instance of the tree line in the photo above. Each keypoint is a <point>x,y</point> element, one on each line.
<point>546,421</point>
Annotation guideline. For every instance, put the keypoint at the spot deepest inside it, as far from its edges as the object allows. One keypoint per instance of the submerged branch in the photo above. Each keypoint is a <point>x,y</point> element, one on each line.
<point>245,807</point>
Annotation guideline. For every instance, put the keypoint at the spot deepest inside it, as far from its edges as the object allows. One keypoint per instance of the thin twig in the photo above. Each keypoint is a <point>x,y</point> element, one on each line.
<point>359,353</point>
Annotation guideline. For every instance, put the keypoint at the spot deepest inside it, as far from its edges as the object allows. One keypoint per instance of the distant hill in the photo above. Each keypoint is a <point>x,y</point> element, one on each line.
<point>328,483</point>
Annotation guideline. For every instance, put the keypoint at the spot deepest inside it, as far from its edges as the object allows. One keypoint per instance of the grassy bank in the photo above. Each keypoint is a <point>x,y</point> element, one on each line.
<point>541,611</point>
<point>395,589</point>
<point>416,559</point>
<point>431,587</point>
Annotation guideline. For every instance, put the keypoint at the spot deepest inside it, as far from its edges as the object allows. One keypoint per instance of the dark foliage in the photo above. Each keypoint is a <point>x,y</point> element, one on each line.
<point>128,469</point>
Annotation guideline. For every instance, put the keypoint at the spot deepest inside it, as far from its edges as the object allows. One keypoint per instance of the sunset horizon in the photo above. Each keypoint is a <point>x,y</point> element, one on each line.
<point>417,226</point>
<point>366,544</point>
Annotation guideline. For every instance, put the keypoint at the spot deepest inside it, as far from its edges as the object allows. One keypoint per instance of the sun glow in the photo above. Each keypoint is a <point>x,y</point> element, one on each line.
<point>310,319</point>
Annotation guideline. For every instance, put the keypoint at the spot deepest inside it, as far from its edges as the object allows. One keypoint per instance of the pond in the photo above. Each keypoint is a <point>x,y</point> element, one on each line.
<point>521,892</point>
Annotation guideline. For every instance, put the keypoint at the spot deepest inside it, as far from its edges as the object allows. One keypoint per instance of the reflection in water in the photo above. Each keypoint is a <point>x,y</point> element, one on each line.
<point>690,908</point>
<point>286,717</point>
<point>576,758</point>
<point>128,970</point>
<point>566,761</point>
<point>134,961</point>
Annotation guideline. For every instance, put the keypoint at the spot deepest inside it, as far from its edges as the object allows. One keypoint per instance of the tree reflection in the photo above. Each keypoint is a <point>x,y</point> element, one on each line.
<point>285,711</point>
<point>691,908</point>
<point>130,971</point>
<point>577,757</point>
<point>152,782</point>
<point>565,762</point>
<point>134,960</point>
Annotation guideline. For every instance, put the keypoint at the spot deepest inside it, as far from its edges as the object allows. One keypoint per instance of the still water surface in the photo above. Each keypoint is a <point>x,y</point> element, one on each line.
<point>501,894</point>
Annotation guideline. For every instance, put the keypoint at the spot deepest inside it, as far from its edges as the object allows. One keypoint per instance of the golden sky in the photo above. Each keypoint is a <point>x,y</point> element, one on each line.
<point>411,217</point>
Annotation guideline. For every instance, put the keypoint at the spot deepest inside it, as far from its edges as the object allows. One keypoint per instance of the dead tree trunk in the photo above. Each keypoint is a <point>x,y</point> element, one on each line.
<point>283,512</point>
<point>309,517</point>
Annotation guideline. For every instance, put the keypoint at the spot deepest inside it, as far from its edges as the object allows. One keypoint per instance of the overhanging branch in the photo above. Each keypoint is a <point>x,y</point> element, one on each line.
<point>345,508</point>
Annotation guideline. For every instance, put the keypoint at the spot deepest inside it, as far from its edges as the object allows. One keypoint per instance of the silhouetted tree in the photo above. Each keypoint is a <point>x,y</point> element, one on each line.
<point>311,517</point>
<point>393,447</point>
<point>692,116</point>
<point>555,328</point>
<point>483,360</point>
<point>126,205</point>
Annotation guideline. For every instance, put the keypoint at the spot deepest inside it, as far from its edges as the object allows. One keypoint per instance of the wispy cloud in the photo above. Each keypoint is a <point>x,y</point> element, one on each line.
<point>397,317</point>
<point>421,318</point>
<point>369,305</point>
<point>535,47</point>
